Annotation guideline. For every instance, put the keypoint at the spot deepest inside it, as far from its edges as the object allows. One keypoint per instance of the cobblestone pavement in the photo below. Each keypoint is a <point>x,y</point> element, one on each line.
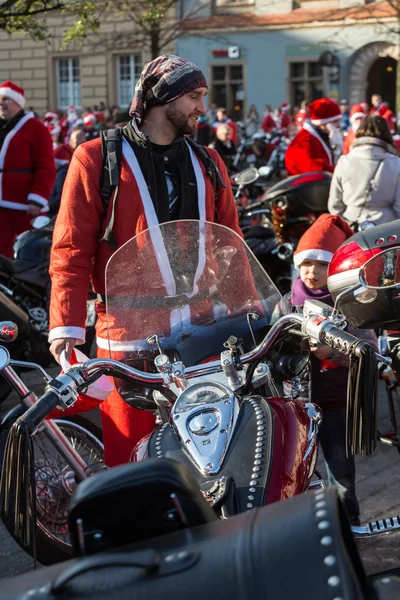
<point>378,485</point>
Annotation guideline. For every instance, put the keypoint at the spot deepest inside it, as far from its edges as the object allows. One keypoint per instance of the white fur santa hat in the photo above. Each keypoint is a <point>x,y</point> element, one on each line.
<point>13,91</point>
<point>322,239</point>
<point>90,119</point>
<point>53,129</point>
<point>324,111</point>
<point>284,107</point>
<point>357,112</point>
<point>50,117</point>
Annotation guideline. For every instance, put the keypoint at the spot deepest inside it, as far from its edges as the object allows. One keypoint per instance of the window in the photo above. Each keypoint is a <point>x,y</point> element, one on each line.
<point>129,67</point>
<point>68,83</point>
<point>306,81</point>
<point>227,88</point>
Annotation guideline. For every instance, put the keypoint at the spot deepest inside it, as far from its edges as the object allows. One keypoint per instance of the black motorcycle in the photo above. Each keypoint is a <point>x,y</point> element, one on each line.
<point>24,297</point>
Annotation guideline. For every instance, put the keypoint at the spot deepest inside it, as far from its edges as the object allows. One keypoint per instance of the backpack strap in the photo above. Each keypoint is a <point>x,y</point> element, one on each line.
<point>111,149</point>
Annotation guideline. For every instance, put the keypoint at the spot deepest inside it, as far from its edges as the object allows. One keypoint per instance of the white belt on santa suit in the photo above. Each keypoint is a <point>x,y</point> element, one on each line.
<point>179,316</point>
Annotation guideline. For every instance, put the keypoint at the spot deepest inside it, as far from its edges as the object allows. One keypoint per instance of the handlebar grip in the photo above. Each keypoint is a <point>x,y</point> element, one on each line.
<point>40,410</point>
<point>338,339</point>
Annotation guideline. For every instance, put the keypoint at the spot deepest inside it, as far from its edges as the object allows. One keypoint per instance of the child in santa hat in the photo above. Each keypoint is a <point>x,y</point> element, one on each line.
<point>328,369</point>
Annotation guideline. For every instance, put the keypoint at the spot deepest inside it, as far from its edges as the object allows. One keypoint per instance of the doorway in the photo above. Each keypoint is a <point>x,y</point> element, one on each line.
<point>382,80</point>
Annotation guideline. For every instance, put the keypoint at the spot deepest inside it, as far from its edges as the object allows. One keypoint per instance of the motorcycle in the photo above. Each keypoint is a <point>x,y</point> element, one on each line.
<point>263,150</point>
<point>208,363</point>
<point>364,279</point>
<point>25,293</point>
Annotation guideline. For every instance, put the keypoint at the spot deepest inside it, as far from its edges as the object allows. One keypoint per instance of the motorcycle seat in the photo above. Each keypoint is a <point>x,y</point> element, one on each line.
<point>277,552</point>
<point>6,265</point>
<point>156,497</point>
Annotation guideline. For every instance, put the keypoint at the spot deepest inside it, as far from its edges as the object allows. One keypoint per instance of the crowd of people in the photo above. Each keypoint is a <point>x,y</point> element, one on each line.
<point>173,151</point>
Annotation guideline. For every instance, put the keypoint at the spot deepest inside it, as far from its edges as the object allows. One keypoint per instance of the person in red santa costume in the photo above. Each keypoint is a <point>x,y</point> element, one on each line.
<point>90,122</point>
<point>357,114</point>
<point>382,109</point>
<point>164,176</point>
<point>326,382</point>
<point>301,115</point>
<point>27,171</point>
<point>68,122</point>
<point>313,147</point>
<point>285,119</point>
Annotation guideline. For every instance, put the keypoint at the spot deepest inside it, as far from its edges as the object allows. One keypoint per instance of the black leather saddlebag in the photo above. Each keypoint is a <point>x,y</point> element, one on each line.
<point>135,502</point>
<point>291,550</point>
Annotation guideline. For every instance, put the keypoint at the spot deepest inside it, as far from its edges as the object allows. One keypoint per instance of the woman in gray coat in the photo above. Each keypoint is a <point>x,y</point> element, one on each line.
<point>366,182</point>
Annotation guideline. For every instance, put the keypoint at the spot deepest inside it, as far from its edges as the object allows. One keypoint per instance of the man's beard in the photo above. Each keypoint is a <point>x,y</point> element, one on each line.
<point>179,120</point>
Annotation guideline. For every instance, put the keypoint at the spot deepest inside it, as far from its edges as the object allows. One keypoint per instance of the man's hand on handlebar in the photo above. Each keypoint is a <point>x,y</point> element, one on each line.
<point>57,346</point>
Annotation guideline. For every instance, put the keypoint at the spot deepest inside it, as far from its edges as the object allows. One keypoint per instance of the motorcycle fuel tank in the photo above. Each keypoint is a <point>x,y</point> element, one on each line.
<point>344,272</point>
<point>269,455</point>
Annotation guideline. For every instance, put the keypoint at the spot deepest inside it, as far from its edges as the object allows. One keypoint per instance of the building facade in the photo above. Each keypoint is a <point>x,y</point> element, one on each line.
<point>310,49</point>
<point>104,69</point>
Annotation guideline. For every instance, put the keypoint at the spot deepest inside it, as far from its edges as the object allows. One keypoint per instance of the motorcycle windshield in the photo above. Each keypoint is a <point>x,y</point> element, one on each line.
<point>187,286</point>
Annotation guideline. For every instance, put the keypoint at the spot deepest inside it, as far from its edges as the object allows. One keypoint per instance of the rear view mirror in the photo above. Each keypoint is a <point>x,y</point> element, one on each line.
<point>382,270</point>
<point>4,358</point>
<point>8,331</point>
<point>40,222</point>
<point>247,176</point>
<point>264,171</point>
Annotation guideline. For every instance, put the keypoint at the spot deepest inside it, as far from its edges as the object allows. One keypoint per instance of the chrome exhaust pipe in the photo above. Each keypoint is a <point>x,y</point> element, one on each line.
<point>384,526</point>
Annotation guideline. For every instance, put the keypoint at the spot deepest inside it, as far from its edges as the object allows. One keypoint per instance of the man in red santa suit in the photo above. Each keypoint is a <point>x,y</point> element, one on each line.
<point>164,176</point>
<point>382,109</point>
<point>357,113</point>
<point>313,147</point>
<point>27,171</point>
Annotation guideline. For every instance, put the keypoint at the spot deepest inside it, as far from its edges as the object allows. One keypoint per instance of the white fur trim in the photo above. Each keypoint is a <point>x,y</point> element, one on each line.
<point>58,333</point>
<point>38,199</point>
<point>14,205</point>
<point>317,254</point>
<point>357,115</point>
<point>61,161</point>
<point>312,131</point>
<point>327,120</point>
<point>6,143</point>
<point>18,98</point>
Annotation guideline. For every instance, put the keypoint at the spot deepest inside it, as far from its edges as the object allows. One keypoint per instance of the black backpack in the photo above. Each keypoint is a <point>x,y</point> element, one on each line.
<point>111,149</point>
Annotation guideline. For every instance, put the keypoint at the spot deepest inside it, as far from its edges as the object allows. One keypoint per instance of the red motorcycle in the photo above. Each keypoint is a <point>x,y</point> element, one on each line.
<point>191,311</point>
<point>364,278</point>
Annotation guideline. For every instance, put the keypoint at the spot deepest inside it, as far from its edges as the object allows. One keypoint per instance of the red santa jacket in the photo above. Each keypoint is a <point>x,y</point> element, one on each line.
<point>268,123</point>
<point>308,152</point>
<point>27,171</point>
<point>77,254</point>
<point>300,118</point>
<point>348,140</point>
<point>384,111</point>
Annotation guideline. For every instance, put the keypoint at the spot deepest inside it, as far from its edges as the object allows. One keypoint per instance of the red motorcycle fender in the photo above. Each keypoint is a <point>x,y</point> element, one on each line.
<point>293,461</point>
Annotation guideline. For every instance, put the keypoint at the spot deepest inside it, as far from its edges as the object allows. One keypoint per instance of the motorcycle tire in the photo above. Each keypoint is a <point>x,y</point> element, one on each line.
<point>52,539</point>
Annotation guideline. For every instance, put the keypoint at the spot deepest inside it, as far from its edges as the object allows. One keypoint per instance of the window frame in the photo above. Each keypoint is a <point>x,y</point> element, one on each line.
<point>133,66</point>
<point>306,78</point>
<point>228,82</point>
<point>71,97</point>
